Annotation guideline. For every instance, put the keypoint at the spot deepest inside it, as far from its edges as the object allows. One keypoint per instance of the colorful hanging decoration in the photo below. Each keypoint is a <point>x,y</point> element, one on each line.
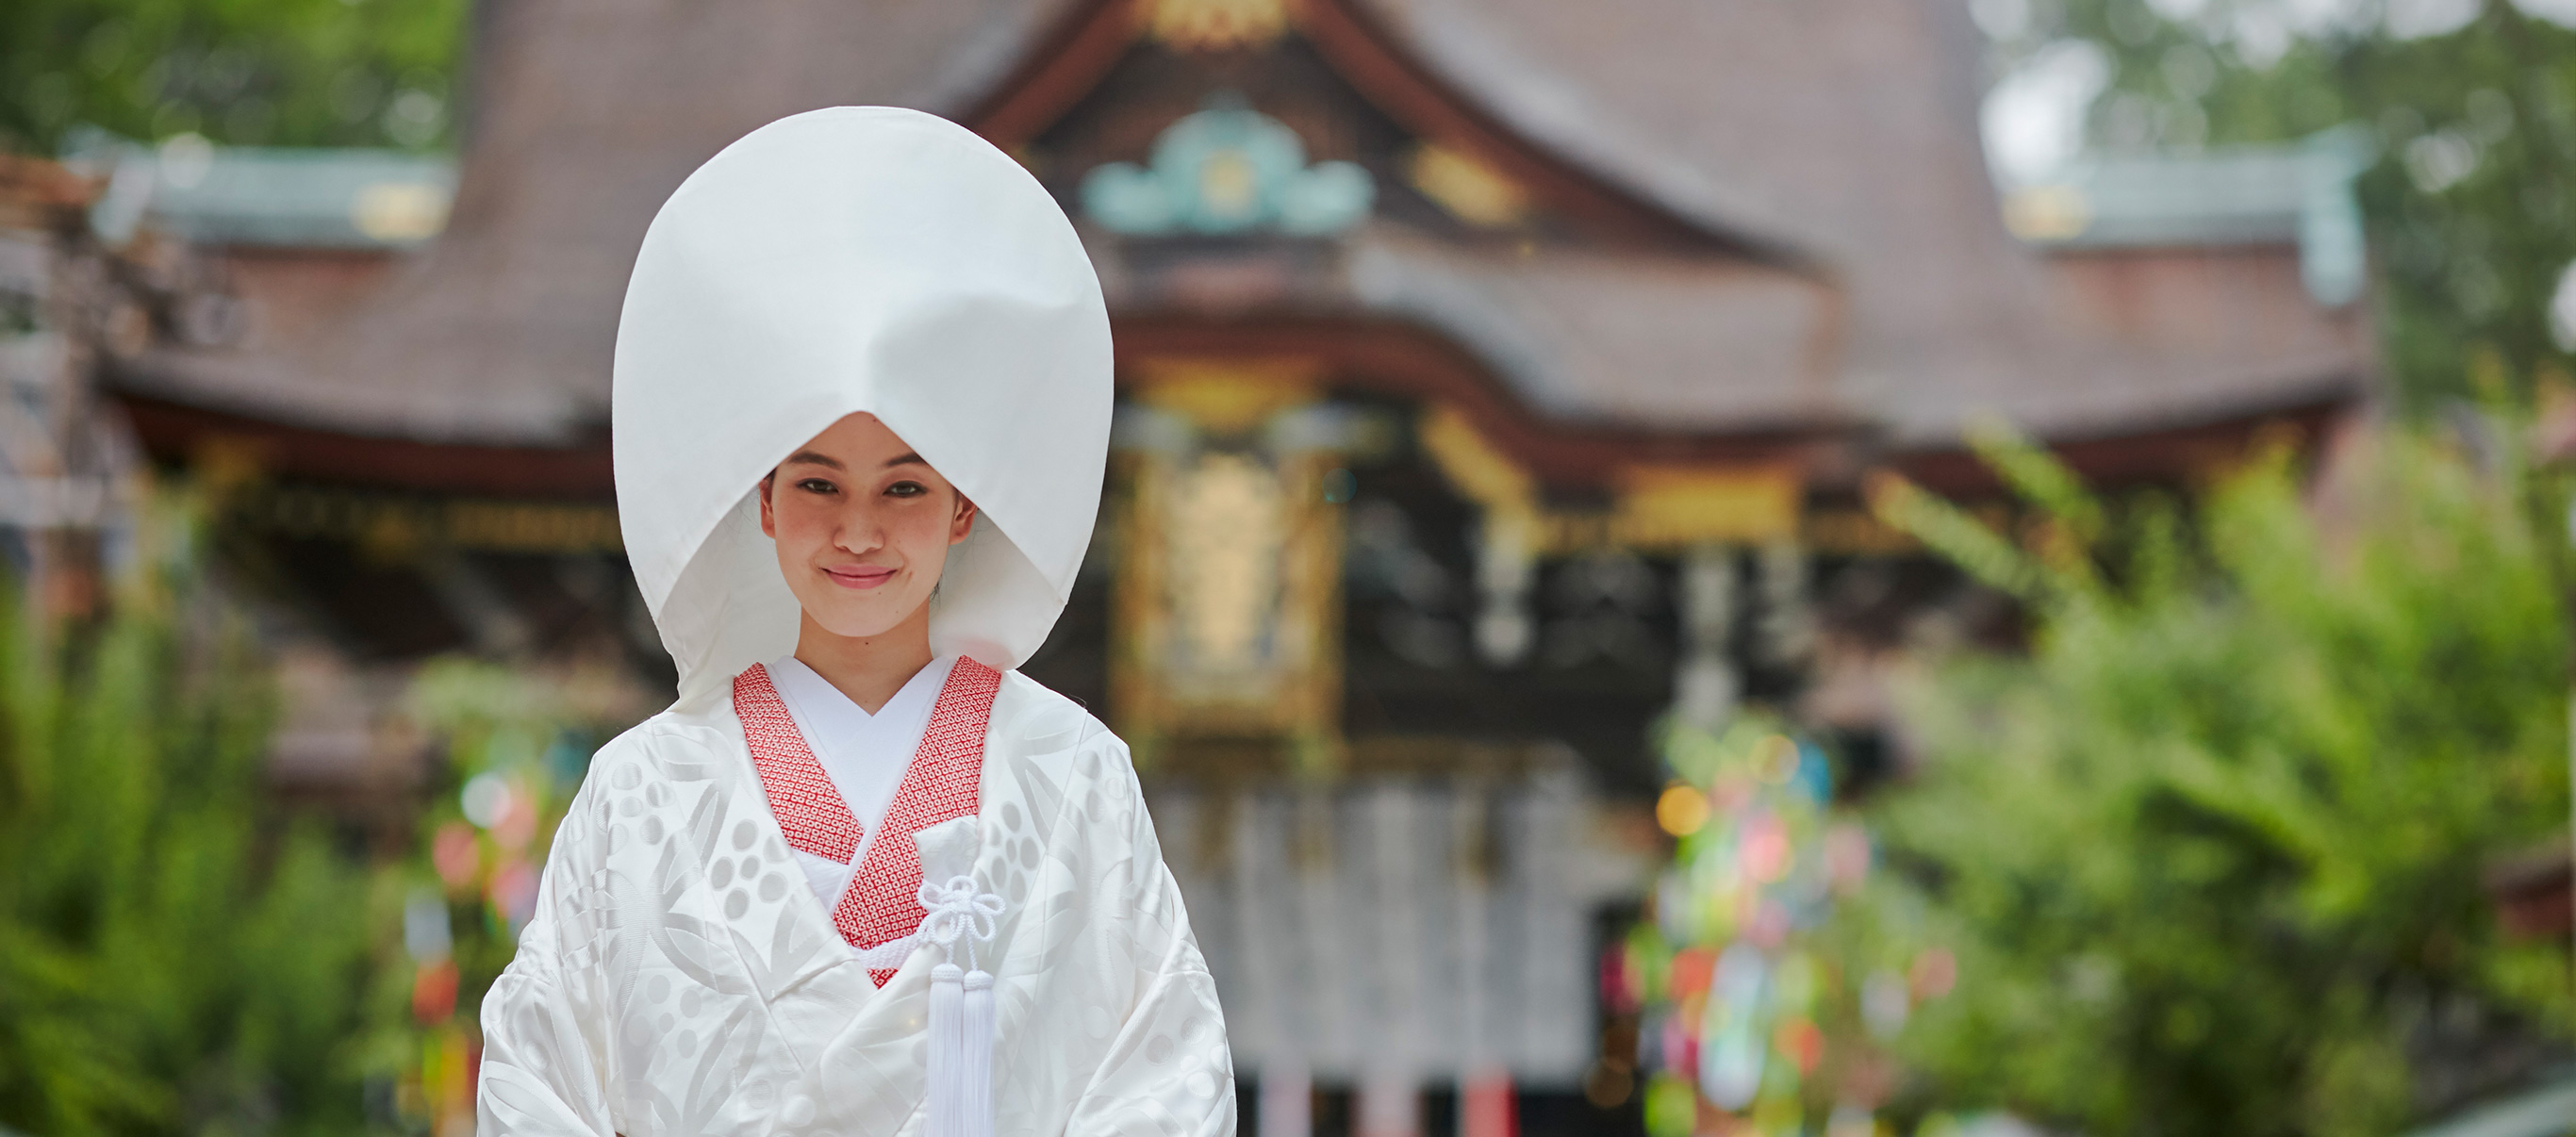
<point>1765,1002</point>
<point>518,745</point>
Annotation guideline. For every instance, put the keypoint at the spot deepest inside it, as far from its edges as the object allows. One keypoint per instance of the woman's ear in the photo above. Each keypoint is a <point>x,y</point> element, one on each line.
<point>960,525</point>
<point>768,521</point>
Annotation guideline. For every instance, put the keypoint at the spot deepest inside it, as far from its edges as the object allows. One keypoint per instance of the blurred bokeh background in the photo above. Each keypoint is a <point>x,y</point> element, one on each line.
<point>1730,567</point>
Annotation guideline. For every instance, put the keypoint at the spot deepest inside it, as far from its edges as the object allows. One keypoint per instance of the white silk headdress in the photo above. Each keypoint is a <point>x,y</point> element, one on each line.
<point>844,260</point>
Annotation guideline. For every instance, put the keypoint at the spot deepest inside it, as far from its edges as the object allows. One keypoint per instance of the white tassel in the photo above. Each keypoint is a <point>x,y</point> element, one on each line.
<point>961,1009</point>
<point>976,1061</point>
<point>947,1103</point>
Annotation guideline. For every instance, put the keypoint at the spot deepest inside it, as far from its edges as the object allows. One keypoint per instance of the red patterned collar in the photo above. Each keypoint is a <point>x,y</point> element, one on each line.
<point>882,901</point>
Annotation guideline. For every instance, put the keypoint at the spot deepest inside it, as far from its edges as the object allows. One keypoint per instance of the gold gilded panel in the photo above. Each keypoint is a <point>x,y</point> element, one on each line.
<point>1228,609</point>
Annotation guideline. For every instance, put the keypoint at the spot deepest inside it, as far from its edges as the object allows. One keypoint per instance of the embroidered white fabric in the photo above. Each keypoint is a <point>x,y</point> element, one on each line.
<point>676,980</point>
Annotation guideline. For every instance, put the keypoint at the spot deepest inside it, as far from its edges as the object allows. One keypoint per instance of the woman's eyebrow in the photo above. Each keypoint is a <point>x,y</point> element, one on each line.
<point>906,456</point>
<point>810,458</point>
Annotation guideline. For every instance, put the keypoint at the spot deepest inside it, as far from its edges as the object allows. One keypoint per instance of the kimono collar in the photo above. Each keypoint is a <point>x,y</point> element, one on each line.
<point>943,782</point>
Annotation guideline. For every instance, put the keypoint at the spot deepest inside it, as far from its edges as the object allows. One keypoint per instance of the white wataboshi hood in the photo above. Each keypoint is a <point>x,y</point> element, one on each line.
<point>843,260</point>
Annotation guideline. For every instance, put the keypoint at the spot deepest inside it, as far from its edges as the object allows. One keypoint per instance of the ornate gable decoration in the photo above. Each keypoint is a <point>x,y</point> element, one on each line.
<point>1351,89</point>
<point>1224,171</point>
<point>1216,25</point>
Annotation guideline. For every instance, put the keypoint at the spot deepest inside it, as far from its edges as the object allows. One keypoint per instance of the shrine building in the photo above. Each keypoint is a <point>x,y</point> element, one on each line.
<point>1497,379</point>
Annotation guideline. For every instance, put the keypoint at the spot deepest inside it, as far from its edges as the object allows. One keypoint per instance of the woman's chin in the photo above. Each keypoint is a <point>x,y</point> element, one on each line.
<point>855,621</point>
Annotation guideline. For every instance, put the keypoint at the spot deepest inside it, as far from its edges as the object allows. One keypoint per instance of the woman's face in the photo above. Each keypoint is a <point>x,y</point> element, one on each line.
<point>863,526</point>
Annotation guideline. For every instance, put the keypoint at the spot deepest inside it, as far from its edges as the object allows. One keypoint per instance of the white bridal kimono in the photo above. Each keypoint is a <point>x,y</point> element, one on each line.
<point>680,976</point>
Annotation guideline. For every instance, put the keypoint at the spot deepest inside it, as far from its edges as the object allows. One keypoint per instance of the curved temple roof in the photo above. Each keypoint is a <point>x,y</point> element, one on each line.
<point>1815,247</point>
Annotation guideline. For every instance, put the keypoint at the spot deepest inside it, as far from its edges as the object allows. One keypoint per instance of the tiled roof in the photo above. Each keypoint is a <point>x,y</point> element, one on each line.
<point>2295,194</point>
<point>1842,131</point>
<point>264,196</point>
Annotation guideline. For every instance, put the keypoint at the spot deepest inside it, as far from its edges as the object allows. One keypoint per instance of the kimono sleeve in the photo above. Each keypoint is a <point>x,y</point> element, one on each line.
<point>545,1042</point>
<point>1168,1071</point>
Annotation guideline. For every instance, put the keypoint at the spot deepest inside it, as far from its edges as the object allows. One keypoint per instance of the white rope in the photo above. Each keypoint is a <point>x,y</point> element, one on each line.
<point>959,916</point>
<point>887,956</point>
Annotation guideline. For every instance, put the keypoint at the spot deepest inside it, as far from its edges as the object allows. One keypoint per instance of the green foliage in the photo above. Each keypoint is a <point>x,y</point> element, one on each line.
<point>2210,854</point>
<point>176,953</point>
<point>247,72</point>
<point>2471,210</point>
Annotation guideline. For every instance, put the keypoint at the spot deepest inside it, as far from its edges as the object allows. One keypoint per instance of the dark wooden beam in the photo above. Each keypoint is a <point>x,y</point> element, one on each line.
<point>2179,455</point>
<point>1414,363</point>
<point>178,433</point>
<point>1064,66</point>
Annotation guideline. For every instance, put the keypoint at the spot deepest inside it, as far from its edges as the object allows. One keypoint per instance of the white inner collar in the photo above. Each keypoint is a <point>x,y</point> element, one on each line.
<point>864,754</point>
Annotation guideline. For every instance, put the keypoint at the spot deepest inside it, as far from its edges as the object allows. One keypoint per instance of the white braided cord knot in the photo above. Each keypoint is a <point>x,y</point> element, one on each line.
<point>959,916</point>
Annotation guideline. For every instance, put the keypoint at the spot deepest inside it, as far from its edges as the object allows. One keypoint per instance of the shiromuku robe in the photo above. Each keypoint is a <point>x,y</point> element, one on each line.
<point>679,977</point>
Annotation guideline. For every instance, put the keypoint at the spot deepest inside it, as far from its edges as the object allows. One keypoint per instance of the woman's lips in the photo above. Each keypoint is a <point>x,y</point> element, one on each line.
<point>859,576</point>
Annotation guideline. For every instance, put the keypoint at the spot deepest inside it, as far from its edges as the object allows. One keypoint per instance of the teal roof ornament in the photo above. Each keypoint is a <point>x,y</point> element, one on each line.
<point>1224,171</point>
<point>2291,192</point>
<point>262,196</point>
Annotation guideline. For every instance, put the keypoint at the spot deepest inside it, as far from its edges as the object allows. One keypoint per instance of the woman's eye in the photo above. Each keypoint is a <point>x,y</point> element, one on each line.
<point>816,485</point>
<point>906,489</point>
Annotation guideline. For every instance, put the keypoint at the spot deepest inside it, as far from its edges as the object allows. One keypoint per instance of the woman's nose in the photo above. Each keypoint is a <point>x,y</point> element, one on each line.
<point>860,530</point>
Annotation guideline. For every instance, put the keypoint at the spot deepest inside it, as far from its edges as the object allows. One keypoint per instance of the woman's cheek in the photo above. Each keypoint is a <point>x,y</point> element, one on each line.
<point>807,529</point>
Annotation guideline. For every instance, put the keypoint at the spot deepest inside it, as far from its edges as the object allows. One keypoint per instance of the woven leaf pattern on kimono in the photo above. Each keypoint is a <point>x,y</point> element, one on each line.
<point>680,978</point>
